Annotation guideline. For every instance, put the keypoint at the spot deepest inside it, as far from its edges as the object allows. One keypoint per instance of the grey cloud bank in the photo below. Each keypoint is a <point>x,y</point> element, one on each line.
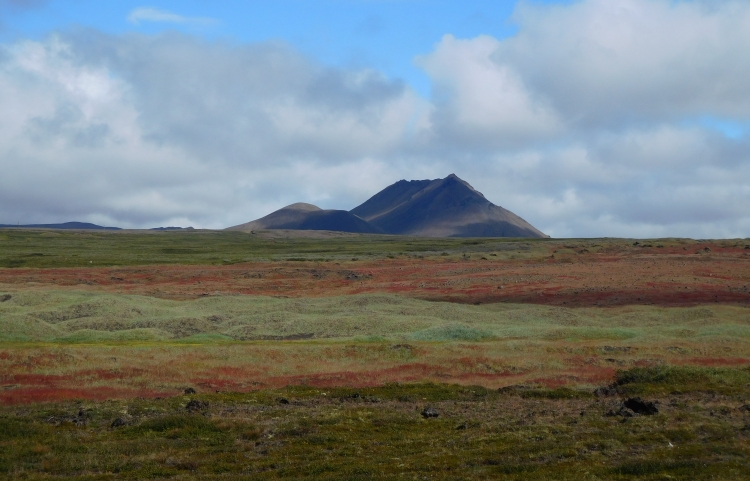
<point>588,122</point>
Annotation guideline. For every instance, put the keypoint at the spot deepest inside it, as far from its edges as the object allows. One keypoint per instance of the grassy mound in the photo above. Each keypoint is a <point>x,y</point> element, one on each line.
<point>70,316</point>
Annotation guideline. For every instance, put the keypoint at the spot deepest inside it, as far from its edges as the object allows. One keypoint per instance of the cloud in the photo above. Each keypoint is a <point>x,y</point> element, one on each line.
<point>481,101</point>
<point>614,63</point>
<point>143,130</point>
<point>148,14</point>
<point>595,119</point>
<point>594,114</point>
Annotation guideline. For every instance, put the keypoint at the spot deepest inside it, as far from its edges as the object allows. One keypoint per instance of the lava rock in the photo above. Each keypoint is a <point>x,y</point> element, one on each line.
<point>117,423</point>
<point>196,405</point>
<point>81,419</point>
<point>639,406</point>
<point>622,411</point>
<point>429,412</point>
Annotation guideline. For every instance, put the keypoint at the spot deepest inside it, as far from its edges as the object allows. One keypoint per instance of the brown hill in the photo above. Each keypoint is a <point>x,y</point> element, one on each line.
<point>303,216</point>
<point>447,207</point>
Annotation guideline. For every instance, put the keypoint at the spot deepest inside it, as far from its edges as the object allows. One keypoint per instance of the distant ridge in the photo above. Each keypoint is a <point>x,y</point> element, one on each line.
<point>65,225</point>
<point>303,216</point>
<point>447,207</point>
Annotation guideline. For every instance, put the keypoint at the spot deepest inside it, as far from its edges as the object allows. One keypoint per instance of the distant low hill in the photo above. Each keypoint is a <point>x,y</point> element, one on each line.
<point>447,207</point>
<point>303,216</point>
<point>65,225</point>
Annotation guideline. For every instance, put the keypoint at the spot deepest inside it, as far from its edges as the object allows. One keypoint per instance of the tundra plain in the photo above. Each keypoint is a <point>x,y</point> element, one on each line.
<point>319,355</point>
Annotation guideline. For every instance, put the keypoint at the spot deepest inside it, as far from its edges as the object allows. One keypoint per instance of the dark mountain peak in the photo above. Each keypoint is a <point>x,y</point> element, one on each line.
<point>441,208</point>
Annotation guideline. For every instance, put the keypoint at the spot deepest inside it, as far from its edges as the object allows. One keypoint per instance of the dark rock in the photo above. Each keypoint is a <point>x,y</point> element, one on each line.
<point>190,391</point>
<point>639,406</point>
<point>196,405</point>
<point>117,423</point>
<point>283,401</point>
<point>5,297</point>
<point>621,410</point>
<point>354,396</point>
<point>81,418</point>
<point>745,407</point>
<point>461,427</point>
<point>429,412</point>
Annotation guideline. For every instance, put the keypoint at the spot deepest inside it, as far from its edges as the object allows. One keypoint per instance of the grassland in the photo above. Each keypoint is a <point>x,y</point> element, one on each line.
<point>313,357</point>
<point>379,433</point>
<point>53,248</point>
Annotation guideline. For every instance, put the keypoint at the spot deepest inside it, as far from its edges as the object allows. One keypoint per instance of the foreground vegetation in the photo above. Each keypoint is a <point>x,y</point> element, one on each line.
<point>388,432</point>
<point>225,355</point>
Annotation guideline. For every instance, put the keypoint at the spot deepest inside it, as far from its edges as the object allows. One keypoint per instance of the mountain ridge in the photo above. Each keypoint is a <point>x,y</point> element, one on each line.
<point>448,207</point>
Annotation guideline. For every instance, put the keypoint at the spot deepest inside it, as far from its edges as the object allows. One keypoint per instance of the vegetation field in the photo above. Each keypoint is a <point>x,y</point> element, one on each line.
<point>327,356</point>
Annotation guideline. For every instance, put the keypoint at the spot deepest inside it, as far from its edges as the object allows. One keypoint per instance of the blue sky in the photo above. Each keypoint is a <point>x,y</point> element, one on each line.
<point>588,118</point>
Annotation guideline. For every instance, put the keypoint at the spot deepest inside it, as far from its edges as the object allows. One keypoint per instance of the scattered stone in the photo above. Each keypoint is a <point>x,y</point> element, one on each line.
<point>81,418</point>
<point>196,405</point>
<point>429,412</point>
<point>117,423</point>
<point>5,297</point>
<point>190,391</point>
<point>283,401</point>
<point>639,406</point>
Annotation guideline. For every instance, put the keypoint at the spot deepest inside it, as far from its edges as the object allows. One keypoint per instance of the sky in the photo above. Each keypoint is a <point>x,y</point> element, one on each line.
<point>588,118</point>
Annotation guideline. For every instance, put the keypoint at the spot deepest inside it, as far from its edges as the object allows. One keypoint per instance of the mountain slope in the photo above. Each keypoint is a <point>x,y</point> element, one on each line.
<point>303,216</point>
<point>447,207</point>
